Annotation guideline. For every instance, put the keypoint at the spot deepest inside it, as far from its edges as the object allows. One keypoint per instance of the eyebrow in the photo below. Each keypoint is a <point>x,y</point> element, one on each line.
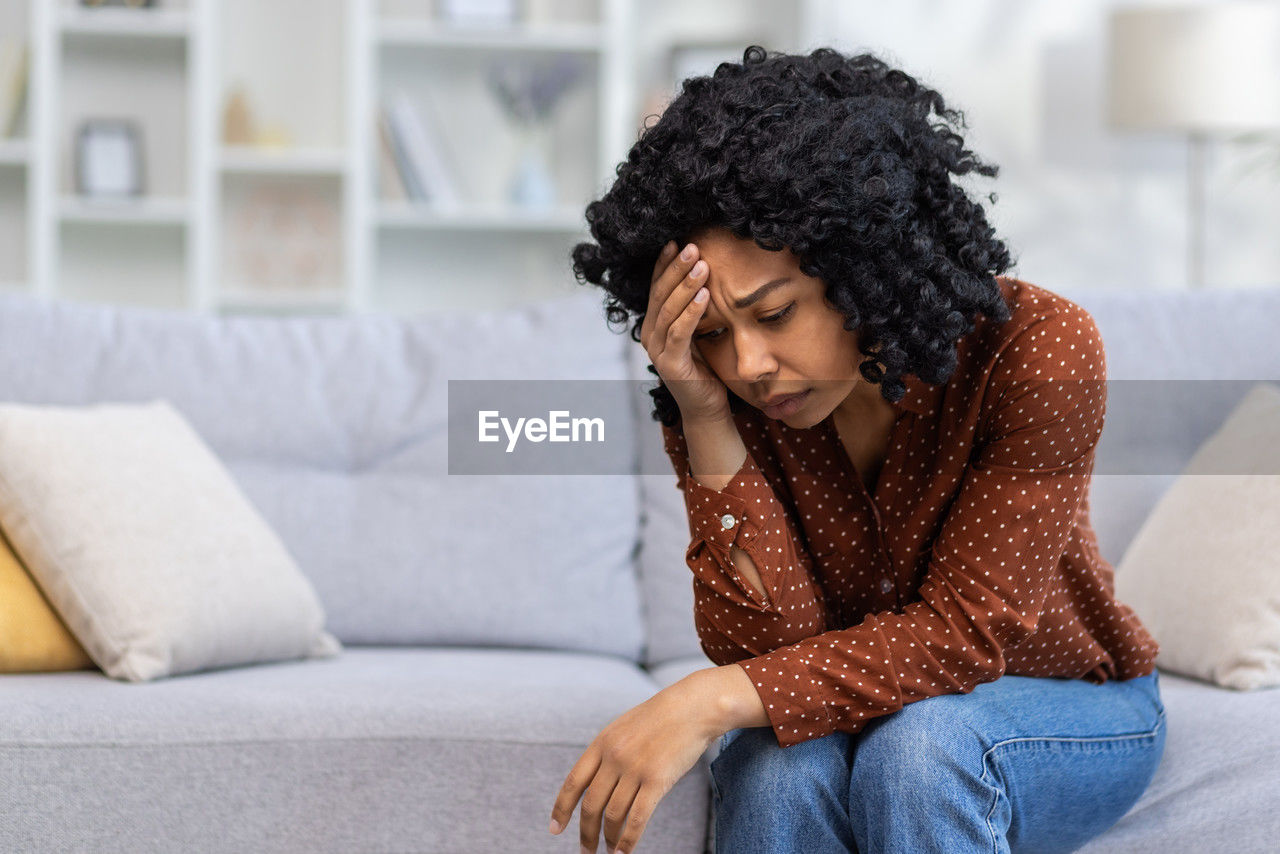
<point>760,292</point>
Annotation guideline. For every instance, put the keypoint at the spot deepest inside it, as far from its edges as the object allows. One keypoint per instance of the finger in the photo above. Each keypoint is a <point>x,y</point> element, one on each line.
<point>591,816</point>
<point>680,332</point>
<point>580,776</point>
<point>676,271</point>
<point>646,801</point>
<point>616,811</point>
<point>664,259</point>
<point>681,305</point>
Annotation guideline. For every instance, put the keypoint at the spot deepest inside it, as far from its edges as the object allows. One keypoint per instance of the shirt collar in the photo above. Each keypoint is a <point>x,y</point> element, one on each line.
<point>920,397</point>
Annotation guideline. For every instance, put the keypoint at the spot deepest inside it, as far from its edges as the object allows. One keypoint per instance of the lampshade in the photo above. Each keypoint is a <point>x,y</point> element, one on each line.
<point>1213,68</point>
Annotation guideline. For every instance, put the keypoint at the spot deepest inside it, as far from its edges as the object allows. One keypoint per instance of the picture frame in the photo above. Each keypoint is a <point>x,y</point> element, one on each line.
<point>109,158</point>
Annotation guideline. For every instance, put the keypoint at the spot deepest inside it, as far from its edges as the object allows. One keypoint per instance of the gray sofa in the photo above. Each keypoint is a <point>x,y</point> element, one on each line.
<point>493,624</point>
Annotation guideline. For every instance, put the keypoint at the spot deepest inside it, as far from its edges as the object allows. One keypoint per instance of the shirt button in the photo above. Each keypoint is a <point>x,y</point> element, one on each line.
<point>727,521</point>
<point>885,585</point>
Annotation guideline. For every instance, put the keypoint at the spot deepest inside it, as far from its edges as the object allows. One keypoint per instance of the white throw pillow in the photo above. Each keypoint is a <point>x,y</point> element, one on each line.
<point>144,544</point>
<point>1203,571</point>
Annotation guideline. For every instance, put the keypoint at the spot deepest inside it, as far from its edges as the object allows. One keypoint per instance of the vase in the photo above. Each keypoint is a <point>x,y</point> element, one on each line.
<point>531,185</point>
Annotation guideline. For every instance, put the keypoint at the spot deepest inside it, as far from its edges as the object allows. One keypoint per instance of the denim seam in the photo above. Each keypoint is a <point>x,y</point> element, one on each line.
<point>995,800</point>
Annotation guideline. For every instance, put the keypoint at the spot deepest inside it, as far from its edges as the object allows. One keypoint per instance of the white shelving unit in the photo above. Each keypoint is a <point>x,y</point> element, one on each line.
<point>232,227</point>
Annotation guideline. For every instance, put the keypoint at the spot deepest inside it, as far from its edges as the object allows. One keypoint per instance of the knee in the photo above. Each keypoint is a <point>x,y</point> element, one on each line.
<point>920,741</point>
<point>755,762</point>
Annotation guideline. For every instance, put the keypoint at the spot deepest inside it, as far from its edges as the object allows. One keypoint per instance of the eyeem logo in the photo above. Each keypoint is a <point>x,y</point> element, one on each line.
<point>537,430</point>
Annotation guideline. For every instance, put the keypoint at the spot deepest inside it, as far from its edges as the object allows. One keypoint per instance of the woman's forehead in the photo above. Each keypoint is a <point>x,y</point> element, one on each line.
<point>740,296</point>
<point>771,294</point>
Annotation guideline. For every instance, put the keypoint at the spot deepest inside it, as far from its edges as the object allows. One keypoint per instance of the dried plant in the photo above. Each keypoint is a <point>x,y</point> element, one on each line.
<point>529,91</point>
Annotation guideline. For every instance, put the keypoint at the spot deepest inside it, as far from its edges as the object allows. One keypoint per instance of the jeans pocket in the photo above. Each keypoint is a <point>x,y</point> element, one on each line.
<point>1144,696</point>
<point>1156,699</point>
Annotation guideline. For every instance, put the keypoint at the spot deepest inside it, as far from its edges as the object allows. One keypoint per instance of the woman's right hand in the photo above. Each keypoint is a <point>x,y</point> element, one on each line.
<point>667,335</point>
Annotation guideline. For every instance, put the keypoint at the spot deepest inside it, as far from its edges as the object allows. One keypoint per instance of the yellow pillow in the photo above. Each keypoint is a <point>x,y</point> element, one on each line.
<point>33,637</point>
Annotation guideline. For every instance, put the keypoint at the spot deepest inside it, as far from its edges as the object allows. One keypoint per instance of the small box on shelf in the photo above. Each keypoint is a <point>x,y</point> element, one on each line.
<point>478,13</point>
<point>282,234</point>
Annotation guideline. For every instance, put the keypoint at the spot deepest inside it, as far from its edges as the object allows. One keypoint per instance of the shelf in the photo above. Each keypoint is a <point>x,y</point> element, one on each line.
<point>244,297</point>
<point>567,219</point>
<point>558,37</point>
<point>283,161</point>
<point>130,23</point>
<point>14,152</point>
<point>143,211</point>
<point>218,223</point>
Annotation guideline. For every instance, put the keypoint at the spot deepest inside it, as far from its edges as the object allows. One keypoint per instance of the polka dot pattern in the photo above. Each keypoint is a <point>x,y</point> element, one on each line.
<point>974,557</point>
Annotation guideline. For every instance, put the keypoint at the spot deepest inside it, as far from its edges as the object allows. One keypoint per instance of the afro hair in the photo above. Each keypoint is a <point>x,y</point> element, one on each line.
<point>835,158</point>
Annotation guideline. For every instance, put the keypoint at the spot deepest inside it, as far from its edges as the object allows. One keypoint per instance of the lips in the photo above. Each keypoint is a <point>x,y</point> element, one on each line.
<point>786,406</point>
<point>774,401</point>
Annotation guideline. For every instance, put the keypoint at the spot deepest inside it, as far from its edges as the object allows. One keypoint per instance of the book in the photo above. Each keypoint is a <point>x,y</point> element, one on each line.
<point>15,58</point>
<point>404,170</point>
<point>424,167</point>
<point>390,180</point>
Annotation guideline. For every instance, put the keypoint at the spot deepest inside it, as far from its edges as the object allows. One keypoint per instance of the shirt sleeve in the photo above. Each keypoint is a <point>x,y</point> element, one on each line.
<point>733,620</point>
<point>991,564</point>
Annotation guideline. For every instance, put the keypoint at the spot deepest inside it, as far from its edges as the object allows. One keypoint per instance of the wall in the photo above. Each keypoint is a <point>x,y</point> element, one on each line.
<point>1081,205</point>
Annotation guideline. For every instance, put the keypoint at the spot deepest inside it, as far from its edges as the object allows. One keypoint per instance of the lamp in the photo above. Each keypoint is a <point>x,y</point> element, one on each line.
<point>1199,70</point>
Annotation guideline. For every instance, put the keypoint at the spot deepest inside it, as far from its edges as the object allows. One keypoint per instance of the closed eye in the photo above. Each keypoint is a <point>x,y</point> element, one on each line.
<point>780,317</point>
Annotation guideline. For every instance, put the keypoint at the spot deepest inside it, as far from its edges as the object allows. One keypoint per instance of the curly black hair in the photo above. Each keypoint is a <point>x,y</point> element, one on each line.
<point>835,158</point>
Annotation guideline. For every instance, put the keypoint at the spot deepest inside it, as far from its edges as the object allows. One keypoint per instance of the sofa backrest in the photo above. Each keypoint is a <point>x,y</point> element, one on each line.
<point>1156,342</point>
<point>1178,363</point>
<point>335,429</point>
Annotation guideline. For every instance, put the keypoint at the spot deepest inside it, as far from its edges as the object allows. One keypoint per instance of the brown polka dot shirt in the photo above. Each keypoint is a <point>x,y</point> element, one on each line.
<point>973,558</point>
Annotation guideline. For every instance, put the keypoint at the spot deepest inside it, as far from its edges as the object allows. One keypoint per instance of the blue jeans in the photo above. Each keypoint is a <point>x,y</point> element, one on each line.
<point>1021,764</point>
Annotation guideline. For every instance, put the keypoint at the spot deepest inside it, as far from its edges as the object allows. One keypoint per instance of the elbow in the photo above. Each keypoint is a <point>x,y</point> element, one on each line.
<point>995,638</point>
<point>721,654</point>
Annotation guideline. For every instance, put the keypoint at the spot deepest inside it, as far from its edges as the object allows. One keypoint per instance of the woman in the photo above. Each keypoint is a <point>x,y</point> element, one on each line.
<point>885,447</point>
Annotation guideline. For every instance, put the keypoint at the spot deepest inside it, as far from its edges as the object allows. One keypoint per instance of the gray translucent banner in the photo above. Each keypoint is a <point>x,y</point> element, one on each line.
<point>542,427</point>
<point>577,427</point>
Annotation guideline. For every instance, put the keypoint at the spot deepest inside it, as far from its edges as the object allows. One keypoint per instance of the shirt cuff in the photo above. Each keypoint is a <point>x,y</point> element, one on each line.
<point>795,712</point>
<point>736,514</point>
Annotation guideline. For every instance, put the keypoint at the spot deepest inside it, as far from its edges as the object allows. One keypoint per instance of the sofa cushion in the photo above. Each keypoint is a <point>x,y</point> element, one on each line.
<point>32,635</point>
<point>1202,569</point>
<point>336,430</point>
<point>1216,784</point>
<point>380,749</point>
<point>145,546</point>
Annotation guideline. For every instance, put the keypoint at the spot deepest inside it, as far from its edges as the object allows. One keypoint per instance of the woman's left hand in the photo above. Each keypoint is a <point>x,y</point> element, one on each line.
<point>634,762</point>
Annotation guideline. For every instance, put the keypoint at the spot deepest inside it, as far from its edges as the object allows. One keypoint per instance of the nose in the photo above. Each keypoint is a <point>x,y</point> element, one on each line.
<point>755,358</point>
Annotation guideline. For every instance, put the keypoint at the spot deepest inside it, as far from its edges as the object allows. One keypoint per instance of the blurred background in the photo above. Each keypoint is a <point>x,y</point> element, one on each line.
<point>410,156</point>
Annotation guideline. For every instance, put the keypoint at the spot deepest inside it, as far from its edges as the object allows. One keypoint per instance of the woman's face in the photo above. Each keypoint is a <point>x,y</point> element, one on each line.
<point>768,331</point>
